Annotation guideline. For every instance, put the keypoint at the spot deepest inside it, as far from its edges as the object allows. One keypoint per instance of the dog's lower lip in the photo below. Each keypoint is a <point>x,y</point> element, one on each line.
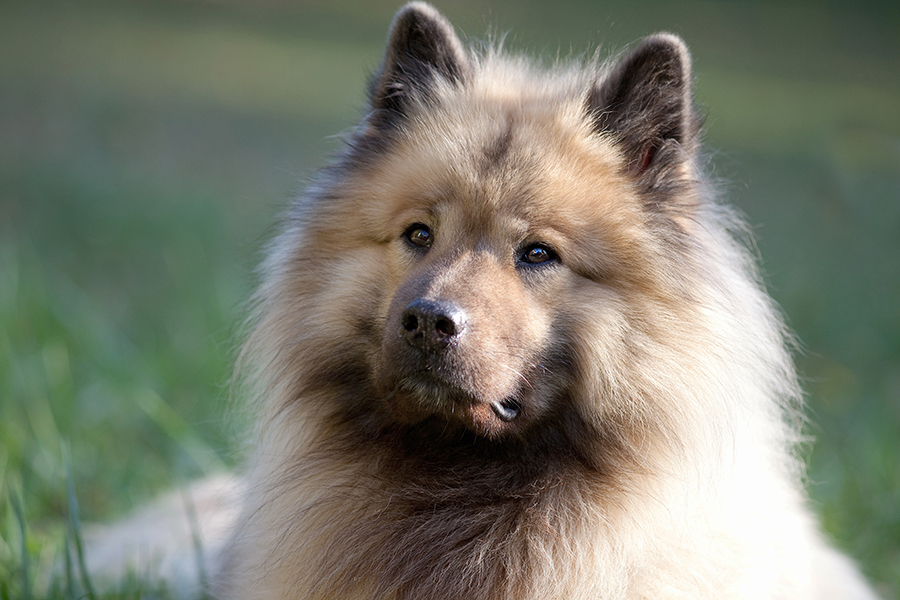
<point>506,410</point>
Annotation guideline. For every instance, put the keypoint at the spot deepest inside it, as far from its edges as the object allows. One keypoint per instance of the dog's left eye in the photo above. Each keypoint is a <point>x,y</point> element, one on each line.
<point>419,235</point>
<point>538,254</point>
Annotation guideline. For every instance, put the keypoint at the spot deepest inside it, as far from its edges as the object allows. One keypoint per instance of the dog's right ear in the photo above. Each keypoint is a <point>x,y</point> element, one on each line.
<point>645,102</point>
<point>422,46</point>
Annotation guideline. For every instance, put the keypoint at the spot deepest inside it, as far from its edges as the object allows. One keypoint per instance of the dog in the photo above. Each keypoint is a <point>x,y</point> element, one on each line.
<point>510,345</point>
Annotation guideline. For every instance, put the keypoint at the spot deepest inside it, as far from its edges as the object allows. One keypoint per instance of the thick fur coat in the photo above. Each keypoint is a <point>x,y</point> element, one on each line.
<point>509,346</point>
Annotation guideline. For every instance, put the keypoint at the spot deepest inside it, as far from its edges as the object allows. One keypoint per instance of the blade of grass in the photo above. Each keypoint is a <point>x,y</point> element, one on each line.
<point>75,526</point>
<point>16,502</point>
<point>70,575</point>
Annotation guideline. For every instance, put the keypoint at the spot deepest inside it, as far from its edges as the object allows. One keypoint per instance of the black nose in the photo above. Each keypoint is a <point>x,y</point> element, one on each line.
<point>432,324</point>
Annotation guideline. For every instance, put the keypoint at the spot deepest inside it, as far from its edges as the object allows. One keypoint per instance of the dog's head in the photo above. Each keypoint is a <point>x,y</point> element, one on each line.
<point>497,241</point>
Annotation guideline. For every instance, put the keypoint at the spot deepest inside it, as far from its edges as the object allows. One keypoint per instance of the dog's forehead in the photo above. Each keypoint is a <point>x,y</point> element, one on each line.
<point>485,154</point>
<point>491,133</point>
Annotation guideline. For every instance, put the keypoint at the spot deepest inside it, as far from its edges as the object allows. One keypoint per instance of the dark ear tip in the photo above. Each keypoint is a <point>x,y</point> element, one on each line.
<point>417,10</point>
<point>666,48</point>
<point>409,16</point>
<point>421,17</point>
<point>665,41</point>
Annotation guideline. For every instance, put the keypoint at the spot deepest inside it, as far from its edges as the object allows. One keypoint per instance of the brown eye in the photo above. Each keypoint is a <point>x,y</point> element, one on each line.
<point>538,254</point>
<point>419,235</point>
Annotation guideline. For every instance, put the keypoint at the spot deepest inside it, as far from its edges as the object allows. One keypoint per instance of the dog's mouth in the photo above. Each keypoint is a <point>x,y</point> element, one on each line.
<point>427,394</point>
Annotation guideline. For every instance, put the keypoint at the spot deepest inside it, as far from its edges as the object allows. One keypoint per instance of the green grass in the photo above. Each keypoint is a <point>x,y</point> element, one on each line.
<point>146,147</point>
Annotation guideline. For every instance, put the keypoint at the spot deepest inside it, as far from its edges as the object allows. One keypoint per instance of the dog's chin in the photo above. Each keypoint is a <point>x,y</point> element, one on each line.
<point>422,396</point>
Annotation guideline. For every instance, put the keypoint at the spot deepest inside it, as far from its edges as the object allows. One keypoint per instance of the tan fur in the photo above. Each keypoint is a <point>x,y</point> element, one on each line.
<point>653,457</point>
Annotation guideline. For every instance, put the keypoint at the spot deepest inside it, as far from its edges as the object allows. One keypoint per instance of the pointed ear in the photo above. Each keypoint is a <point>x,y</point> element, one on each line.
<point>645,102</point>
<point>422,46</point>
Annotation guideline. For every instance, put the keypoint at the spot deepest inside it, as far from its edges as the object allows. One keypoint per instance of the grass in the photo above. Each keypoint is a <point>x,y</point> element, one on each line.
<point>146,148</point>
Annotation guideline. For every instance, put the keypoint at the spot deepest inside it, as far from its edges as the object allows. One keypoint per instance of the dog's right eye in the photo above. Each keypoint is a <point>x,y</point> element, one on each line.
<point>538,254</point>
<point>419,236</point>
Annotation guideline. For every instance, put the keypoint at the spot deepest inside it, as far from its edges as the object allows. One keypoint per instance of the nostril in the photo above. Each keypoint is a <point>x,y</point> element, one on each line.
<point>410,322</point>
<point>445,327</point>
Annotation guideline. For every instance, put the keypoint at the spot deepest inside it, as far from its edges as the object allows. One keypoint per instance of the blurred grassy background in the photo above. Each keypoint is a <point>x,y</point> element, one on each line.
<point>145,148</point>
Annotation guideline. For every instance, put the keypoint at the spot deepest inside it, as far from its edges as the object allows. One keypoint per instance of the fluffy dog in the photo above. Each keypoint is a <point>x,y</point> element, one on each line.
<point>509,346</point>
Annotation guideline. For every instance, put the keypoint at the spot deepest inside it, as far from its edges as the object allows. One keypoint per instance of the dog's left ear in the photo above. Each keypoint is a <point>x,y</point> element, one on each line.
<point>645,103</point>
<point>422,46</point>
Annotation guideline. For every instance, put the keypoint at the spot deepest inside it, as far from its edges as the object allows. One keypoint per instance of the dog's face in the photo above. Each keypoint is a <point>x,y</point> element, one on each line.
<point>496,239</point>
